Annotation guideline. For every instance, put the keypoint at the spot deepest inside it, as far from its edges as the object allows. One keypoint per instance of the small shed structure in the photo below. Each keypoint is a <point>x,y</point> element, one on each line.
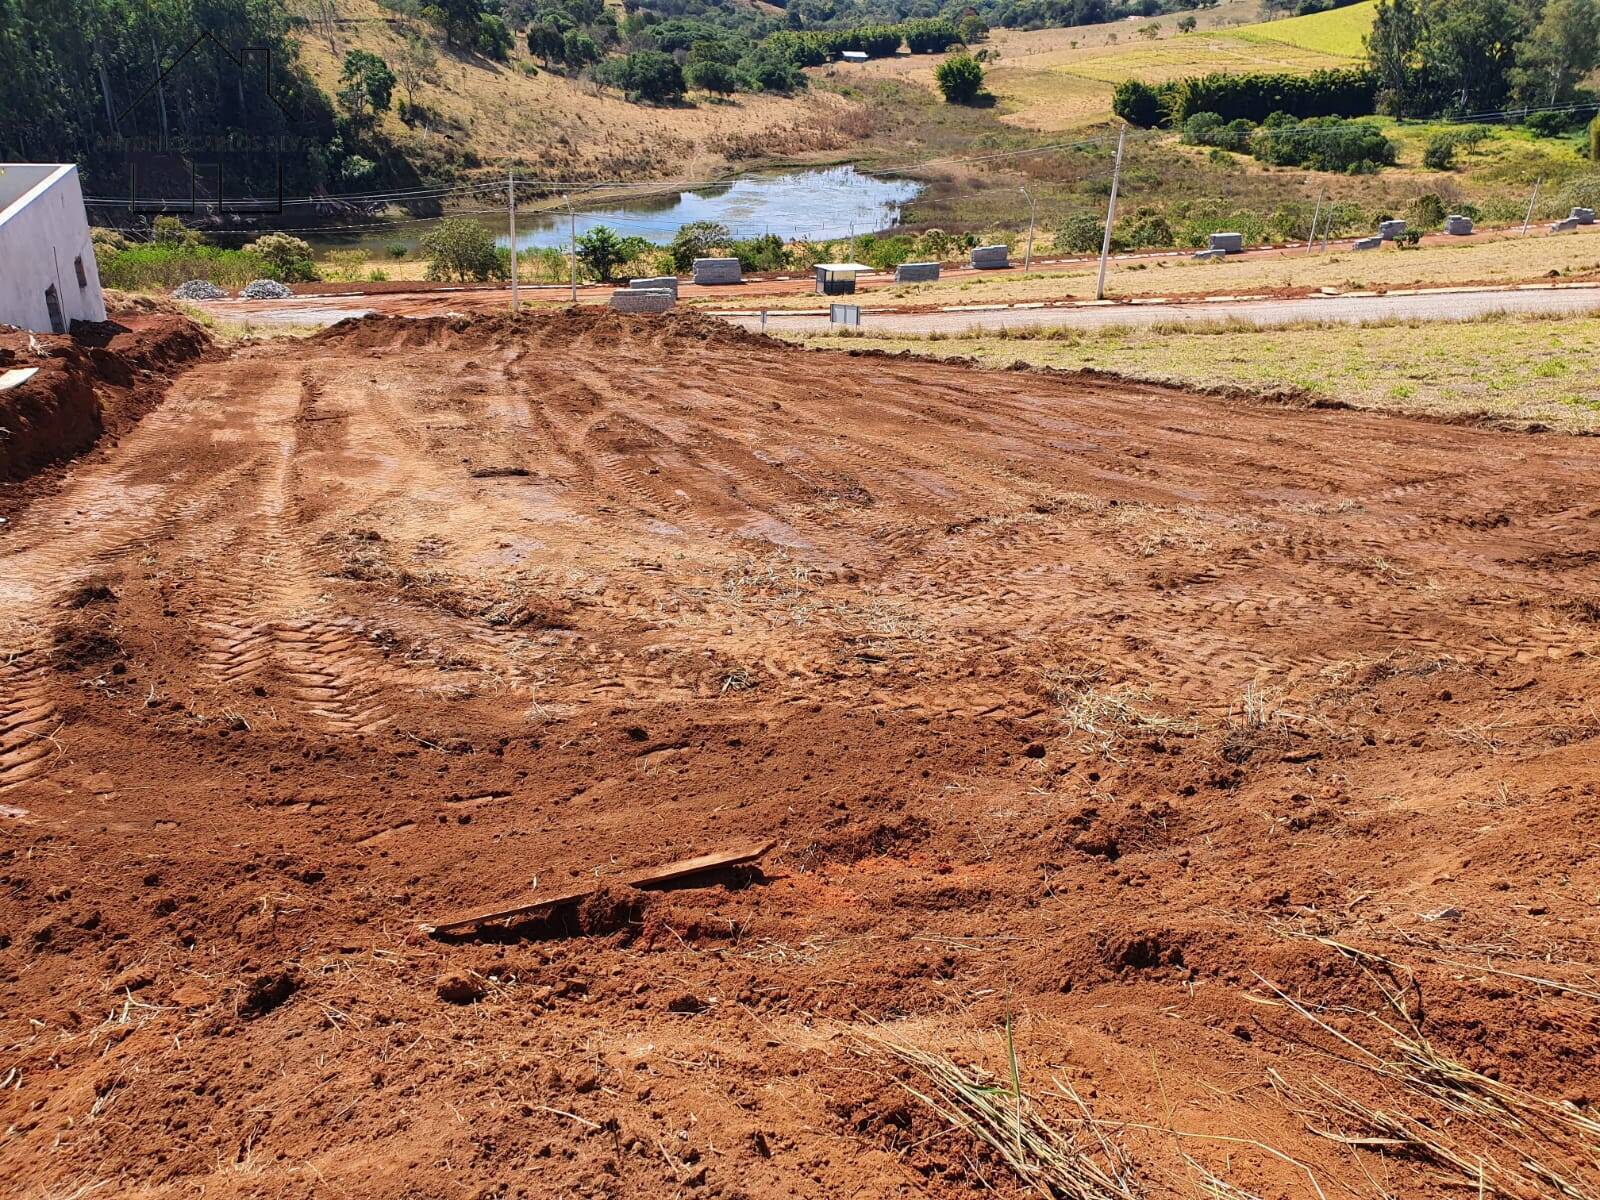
<point>838,278</point>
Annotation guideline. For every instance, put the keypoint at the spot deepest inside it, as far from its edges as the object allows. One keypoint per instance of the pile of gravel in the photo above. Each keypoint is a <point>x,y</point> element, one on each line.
<point>198,289</point>
<point>265,289</point>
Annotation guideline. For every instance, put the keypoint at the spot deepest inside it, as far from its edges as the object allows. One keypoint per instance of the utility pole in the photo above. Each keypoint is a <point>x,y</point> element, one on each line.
<point>1532,200</point>
<point>1111,215</point>
<point>572,233</point>
<point>511,218</point>
<point>1311,240</point>
<point>1027,257</point>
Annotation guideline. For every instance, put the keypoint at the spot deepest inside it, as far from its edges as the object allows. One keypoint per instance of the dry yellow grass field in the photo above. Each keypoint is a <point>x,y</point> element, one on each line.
<point>1516,371</point>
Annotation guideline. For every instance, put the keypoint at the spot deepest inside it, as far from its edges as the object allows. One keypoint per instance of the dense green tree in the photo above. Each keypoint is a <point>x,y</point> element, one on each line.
<point>960,78</point>
<point>767,70</point>
<point>709,75</point>
<point>546,39</point>
<point>368,86</point>
<point>86,80</point>
<point>1561,49</point>
<point>1434,56</point>
<point>578,49</point>
<point>493,39</point>
<point>1393,52</point>
<point>648,75</point>
<point>601,252</point>
<point>459,19</point>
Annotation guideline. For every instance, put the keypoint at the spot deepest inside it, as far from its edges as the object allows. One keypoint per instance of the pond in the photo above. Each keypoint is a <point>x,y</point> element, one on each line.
<point>814,204</point>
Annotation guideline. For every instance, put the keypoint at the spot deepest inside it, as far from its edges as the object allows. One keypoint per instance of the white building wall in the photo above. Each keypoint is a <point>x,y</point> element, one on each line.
<point>43,235</point>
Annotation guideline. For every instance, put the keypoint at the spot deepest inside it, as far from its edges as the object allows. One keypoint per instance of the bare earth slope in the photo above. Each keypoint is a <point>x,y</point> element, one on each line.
<point>1065,698</point>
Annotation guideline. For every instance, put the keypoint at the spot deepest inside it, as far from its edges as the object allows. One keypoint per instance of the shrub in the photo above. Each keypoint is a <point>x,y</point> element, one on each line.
<point>1148,230</point>
<point>398,250</point>
<point>1440,154</point>
<point>1324,145</point>
<point>153,267</point>
<point>885,253</point>
<point>1548,124</point>
<point>960,78</point>
<point>1139,104</point>
<point>170,231</point>
<point>1594,139</point>
<point>463,248</point>
<point>288,258</point>
<point>934,245</point>
<point>1209,129</point>
<point>696,240</point>
<point>1427,211</point>
<point>764,253</point>
<point>601,251</point>
<point>1080,234</point>
<point>710,76</point>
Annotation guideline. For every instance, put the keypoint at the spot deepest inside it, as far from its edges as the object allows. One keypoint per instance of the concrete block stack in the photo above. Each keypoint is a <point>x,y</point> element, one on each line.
<point>1209,255</point>
<point>657,283</point>
<point>1368,243</point>
<point>1457,226</point>
<point>1565,225</point>
<point>990,258</point>
<point>642,300</point>
<point>1583,216</point>
<point>1389,230</point>
<point>916,272</point>
<point>1228,243</point>
<point>717,270</point>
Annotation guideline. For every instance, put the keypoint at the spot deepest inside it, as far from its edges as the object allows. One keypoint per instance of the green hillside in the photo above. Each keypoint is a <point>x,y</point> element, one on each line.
<point>1340,31</point>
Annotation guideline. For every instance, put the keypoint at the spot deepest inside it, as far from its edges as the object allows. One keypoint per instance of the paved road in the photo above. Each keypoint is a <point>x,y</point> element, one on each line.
<point>1449,305</point>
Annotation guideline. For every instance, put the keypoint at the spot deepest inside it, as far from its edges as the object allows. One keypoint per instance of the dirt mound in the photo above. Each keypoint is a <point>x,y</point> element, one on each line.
<point>95,383</point>
<point>553,330</point>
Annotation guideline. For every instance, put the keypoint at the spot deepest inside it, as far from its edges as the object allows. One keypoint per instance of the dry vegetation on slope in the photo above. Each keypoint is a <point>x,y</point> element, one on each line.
<point>557,127</point>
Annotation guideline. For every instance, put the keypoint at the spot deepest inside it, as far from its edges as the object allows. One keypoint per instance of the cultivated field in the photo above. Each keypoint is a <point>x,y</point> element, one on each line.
<point>1192,795</point>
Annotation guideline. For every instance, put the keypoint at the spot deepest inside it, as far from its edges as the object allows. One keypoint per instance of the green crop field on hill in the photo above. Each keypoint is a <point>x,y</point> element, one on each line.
<point>1340,31</point>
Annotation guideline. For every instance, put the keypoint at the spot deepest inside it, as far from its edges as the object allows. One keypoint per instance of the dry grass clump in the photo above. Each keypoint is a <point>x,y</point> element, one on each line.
<point>1085,1164</point>
<point>1475,1132</point>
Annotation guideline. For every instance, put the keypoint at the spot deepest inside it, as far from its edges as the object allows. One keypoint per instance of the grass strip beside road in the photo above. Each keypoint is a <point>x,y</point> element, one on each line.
<point>1519,371</point>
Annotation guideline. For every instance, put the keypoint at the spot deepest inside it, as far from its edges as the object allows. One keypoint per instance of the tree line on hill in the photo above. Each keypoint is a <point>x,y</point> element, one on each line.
<point>1424,58</point>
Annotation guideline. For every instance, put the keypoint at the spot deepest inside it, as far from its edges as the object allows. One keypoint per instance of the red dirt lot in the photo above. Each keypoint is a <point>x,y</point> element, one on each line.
<point>97,382</point>
<point>1239,759</point>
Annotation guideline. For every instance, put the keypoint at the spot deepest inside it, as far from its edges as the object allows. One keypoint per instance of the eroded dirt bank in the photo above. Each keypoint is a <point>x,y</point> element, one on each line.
<point>1085,704</point>
<point>97,382</point>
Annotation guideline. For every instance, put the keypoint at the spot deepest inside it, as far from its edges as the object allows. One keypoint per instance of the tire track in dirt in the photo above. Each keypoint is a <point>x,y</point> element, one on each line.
<point>27,718</point>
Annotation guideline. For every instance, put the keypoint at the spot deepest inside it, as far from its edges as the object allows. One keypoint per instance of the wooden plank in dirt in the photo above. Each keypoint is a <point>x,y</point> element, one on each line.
<point>684,868</point>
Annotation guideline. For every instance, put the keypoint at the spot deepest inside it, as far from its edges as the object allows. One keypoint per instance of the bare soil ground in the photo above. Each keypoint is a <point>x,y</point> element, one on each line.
<point>1118,715</point>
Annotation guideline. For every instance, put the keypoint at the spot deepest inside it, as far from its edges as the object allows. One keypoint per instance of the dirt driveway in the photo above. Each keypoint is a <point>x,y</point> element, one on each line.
<point>1072,704</point>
